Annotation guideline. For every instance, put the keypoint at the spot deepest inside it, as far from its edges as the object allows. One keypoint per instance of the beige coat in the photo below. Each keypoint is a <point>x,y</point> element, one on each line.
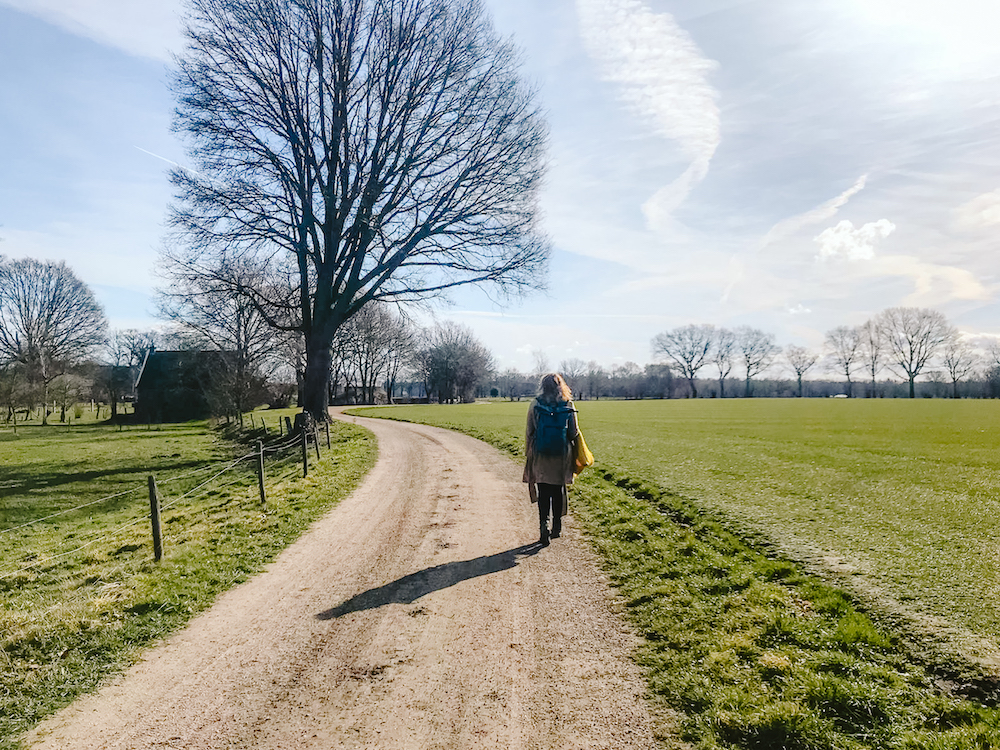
<point>548,469</point>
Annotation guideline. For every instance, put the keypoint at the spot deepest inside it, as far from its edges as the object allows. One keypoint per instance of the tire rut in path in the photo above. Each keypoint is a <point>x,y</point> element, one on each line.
<point>419,613</point>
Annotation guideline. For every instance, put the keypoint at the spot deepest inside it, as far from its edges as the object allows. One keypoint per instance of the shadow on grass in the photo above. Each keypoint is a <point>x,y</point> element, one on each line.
<point>409,588</point>
<point>19,479</point>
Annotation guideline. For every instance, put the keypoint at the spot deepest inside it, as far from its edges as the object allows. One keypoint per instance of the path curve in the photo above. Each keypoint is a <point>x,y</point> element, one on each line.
<point>419,613</point>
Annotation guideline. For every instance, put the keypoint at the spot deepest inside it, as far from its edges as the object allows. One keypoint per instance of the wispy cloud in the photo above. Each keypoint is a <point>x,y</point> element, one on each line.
<point>143,29</point>
<point>663,78</point>
<point>823,212</point>
<point>845,242</point>
<point>982,212</point>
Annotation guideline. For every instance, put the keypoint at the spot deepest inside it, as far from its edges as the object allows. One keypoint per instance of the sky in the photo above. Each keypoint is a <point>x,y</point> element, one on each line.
<point>792,165</point>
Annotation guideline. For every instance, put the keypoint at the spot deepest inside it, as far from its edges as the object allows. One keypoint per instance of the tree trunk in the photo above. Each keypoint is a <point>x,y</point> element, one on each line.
<point>694,391</point>
<point>316,381</point>
<point>913,390</point>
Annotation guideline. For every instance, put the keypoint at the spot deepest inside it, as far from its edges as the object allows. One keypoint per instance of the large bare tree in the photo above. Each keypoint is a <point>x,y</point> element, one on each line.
<point>801,360</point>
<point>359,150</point>
<point>843,347</point>
<point>686,348</point>
<point>912,336</point>
<point>959,359</point>
<point>872,352</point>
<point>723,355</point>
<point>757,351</point>
<point>49,320</point>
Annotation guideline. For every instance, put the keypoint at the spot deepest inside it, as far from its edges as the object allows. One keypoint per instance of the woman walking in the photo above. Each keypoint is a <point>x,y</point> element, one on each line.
<point>549,446</point>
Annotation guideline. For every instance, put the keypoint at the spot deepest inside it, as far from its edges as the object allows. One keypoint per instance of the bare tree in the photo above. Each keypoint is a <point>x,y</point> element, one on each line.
<point>757,351</point>
<point>541,363</point>
<point>723,356</point>
<point>844,350</point>
<point>801,360</point>
<point>49,320</point>
<point>686,348</point>
<point>573,371</point>
<point>912,336</point>
<point>359,150</point>
<point>221,320</point>
<point>373,345</point>
<point>509,382</point>
<point>595,379</point>
<point>452,362</point>
<point>959,360</point>
<point>872,351</point>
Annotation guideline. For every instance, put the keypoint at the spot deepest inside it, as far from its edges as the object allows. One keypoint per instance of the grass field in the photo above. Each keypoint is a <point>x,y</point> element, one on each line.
<point>80,595</point>
<point>893,501</point>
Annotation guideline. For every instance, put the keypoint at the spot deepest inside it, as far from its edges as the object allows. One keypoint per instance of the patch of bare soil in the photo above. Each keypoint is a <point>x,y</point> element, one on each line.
<point>420,613</point>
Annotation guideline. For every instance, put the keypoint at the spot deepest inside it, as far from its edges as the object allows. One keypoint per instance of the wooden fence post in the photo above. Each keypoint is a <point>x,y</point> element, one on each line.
<point>260,471</point>
<point>288,426</point>
<point>316,439</point>
<point>326,424</point>
<point>154,515</point>
<point>305,452</point>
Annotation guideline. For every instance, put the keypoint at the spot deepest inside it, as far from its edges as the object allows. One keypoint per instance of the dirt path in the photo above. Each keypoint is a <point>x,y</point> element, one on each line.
<point>420,613</point>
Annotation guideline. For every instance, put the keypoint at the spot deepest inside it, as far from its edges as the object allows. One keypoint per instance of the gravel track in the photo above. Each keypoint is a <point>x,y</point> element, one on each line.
<point>419,613</point>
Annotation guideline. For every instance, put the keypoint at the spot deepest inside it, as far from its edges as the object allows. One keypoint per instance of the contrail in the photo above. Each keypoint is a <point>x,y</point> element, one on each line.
<point>170,161</point>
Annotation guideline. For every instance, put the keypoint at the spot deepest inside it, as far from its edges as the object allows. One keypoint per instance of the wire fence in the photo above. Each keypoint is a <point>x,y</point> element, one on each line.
<point>150,514</point>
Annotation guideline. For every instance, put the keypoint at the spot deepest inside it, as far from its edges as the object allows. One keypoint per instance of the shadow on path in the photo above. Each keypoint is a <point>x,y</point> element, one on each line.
<point>409,588</point>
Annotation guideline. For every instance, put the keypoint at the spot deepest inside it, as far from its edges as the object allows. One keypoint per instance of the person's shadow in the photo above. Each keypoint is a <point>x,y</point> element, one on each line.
<point>408,589</point>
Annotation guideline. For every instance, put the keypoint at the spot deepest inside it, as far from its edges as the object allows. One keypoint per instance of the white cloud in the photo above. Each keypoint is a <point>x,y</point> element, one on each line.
<point>788,227</point>
<point>982,212</point>
<point>663,78</point>
<point>143,29</point>
<point>844,241</point>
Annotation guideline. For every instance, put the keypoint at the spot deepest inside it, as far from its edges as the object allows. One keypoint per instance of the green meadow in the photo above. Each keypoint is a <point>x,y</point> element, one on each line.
<point>80,593</point>
<point>807,573</point>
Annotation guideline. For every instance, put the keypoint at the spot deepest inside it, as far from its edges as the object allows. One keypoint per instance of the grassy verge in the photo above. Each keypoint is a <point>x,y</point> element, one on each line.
<point>81,595</point>
<point>749,649</point>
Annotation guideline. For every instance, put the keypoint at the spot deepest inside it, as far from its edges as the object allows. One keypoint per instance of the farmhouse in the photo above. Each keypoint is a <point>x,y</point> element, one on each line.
<point>176,386</point>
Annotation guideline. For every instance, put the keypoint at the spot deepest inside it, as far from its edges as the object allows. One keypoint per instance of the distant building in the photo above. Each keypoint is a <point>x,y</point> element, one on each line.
<point>177,386</point>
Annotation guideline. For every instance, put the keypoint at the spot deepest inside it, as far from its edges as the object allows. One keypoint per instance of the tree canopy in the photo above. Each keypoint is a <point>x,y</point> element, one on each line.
<point>49,319</point>
<point>350,151</point>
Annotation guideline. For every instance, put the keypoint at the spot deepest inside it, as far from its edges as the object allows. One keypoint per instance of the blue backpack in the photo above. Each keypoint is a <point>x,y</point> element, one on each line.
<point>552,428</point>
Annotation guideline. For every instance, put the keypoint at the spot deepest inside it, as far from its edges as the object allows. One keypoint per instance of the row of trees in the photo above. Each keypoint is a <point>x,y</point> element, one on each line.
<point>905,341</point>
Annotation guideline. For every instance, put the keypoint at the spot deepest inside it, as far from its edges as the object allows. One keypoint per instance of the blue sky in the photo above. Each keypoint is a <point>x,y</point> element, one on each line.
<point>791,165</point>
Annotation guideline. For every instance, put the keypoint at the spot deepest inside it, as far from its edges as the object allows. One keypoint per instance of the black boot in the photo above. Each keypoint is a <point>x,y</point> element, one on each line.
<point>543,537</point>
<point>556,528</point>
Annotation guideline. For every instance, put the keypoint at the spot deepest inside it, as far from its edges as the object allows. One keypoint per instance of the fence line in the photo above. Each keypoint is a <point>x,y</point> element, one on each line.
<point>70,510</point>
<point>100,535</point>
<point>51,558</point>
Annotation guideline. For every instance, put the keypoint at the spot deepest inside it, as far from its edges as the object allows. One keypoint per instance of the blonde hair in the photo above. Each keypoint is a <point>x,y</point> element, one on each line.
<point>554,388</point>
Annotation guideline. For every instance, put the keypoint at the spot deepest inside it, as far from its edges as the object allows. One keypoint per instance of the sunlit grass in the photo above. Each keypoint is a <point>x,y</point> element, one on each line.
<point>81,594</point>
<point>711,514</point>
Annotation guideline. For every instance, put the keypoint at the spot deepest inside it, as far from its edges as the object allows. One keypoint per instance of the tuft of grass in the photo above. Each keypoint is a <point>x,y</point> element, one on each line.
<point>751,649</point>
<point>69,621</point>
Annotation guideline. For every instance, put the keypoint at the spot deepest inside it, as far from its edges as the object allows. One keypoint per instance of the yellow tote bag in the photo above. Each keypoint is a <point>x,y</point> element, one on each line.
<point>583,457</point>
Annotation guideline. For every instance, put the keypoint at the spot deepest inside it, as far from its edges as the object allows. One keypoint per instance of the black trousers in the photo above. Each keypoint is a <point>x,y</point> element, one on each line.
<point>550,499</point>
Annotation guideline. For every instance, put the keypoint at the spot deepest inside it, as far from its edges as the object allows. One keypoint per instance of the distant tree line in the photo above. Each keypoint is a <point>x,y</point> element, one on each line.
<point>899,344</point>
<point>56,351</point>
